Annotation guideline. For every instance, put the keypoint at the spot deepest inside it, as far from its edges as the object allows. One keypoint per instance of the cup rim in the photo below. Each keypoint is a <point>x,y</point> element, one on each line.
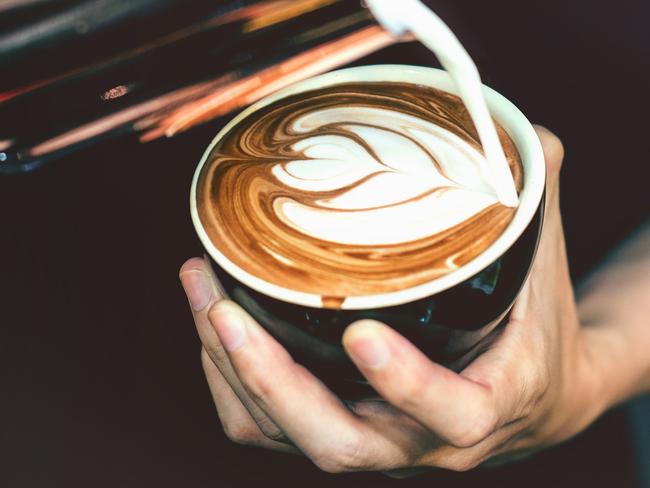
<point>505,112</point>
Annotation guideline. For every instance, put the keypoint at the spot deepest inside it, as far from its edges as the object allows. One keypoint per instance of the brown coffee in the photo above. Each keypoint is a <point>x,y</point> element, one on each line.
<point>353,189</point>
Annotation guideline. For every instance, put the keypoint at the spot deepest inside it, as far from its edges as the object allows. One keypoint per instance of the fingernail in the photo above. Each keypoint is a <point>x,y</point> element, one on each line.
<point>197,288</point>
<point>370,351</point>
<point>230,327</point>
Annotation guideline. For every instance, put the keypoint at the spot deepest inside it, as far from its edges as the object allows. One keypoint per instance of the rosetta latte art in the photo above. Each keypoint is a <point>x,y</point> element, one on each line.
<point>353,189</point>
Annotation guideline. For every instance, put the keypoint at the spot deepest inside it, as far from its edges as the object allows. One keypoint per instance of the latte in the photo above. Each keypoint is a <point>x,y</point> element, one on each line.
<point>353,189</point>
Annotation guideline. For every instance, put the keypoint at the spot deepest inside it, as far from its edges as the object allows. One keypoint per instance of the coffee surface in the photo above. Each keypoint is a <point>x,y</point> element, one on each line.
<point>353,189</point>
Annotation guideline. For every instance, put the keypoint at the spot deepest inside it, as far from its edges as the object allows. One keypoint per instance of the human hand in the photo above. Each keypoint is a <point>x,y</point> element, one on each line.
<point>533,387</point>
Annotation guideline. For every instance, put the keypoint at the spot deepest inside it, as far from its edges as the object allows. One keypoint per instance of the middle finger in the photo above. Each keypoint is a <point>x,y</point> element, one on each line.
<point>237,422</point>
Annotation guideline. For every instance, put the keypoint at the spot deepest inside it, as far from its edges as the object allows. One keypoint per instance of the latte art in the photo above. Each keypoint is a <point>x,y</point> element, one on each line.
<point>398,178</point>
<point>354,189</point>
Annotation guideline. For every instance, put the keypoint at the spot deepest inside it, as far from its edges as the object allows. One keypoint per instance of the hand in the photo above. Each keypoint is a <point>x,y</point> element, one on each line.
<point>535,386</point>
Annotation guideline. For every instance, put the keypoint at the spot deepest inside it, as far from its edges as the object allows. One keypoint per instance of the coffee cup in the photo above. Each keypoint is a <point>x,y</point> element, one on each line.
<point>451,317</point>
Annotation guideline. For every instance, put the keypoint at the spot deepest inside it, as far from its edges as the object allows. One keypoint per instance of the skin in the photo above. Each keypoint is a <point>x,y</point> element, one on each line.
<point>545,379</point>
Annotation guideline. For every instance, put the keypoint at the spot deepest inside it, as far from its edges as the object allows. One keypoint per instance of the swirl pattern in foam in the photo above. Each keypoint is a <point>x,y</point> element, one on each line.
<point>353,189</point>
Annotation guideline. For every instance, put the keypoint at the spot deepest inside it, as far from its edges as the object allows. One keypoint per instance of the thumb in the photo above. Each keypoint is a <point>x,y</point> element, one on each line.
<point>553,156</point>
<point>551,253</point>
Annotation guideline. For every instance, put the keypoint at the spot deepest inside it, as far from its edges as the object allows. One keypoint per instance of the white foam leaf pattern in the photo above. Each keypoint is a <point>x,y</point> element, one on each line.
<point>415,179</point>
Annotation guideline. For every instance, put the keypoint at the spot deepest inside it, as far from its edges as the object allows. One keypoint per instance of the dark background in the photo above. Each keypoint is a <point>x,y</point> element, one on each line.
<point>100,380</point>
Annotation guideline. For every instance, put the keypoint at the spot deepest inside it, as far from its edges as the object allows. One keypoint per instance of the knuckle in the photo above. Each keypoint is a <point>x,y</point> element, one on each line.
<point>213,348</point>
<point>556,151</point>
<point>505,377</point>
<point>260,389</point>
<point>212,358</point>
<point>276,436</point>
<point>260,383</point>
<point>241,433</point>
<point>475,431</point>
<point>259,386</point>
<point>346,458</point>
<point>329,466</point>
<point>270,430</point>
<point>553,149</point>
<point>462,463</point>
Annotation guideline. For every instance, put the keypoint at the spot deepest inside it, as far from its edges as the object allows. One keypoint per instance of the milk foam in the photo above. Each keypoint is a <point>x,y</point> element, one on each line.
<point>406,178</point>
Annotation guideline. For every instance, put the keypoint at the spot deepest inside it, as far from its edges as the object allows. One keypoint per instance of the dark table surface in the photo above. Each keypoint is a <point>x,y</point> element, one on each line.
<point>100,379</point>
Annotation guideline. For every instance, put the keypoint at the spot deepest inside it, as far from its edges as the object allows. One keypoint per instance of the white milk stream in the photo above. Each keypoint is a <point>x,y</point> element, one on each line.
<point>402,16</point>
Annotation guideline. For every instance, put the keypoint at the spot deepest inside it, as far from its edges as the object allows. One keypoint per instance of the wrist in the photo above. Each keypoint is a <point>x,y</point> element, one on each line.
<point>616,364</point>
<point>614,307</point>
<point>597,373</point>
<point>587,388</point>
<point>580,397</point>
